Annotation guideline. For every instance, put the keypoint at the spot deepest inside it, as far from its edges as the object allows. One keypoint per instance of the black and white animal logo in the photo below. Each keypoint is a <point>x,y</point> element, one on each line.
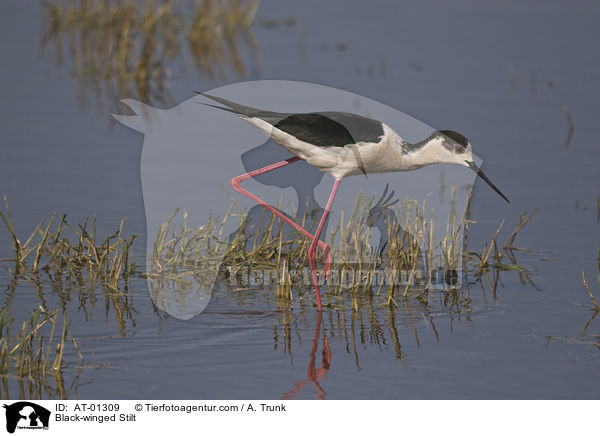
<point>26,415</point>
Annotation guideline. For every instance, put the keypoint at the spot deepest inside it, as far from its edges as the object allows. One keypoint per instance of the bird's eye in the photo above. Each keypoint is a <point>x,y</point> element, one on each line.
<point>458,149</point>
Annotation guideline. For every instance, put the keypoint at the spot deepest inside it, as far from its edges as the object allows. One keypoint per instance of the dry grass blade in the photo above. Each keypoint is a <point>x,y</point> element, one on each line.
<point>522,221</point>
<point>492,244</point>
<point>587,288</point>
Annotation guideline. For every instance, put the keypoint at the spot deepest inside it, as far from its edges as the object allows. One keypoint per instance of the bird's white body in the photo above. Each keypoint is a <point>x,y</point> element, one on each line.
<point>390,154</point>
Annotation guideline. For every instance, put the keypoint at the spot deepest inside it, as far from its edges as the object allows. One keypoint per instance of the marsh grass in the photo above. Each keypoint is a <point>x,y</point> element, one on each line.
<point>73,251</point>
<point>184,255</point>
<point>187,253</point>
<point>587,288</point>
<point>71,260</point>
<point>35,354</point>
<point>362,311</point>
<point>596,310</point>
<point>523,220</point>
<point>126,48</point>
<point>491,260</point>
<point>188,257</point>
<point>75,262</point>
<point>584,339</point>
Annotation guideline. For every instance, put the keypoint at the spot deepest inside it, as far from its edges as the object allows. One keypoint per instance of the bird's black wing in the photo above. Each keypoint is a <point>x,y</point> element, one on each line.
<point>323,129</point>
<point>331,129</point>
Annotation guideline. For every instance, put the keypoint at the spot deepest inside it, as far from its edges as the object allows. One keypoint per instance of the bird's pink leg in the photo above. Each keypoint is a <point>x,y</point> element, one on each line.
<point>236,183</point>
<point>312,258</point>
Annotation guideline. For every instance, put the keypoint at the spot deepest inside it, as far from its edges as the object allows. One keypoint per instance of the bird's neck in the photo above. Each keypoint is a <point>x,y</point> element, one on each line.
<point>425,152</point>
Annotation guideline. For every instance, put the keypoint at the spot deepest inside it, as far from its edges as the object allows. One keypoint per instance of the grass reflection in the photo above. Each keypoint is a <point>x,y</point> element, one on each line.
<point>127,48</point>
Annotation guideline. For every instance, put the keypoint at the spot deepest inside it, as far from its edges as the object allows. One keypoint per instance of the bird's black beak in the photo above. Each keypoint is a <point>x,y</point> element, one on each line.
<point>484,177</point>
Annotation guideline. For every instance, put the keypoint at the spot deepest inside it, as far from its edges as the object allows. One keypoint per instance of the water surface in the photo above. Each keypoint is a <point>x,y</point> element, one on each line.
<point>500,74</point>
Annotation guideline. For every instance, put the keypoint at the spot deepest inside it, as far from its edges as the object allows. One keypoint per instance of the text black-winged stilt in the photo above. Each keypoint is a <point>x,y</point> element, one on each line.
<point>345,144</point>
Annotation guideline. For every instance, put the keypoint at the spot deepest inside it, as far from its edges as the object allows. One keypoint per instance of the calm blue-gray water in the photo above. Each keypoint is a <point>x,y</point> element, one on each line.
<point>509,75</point>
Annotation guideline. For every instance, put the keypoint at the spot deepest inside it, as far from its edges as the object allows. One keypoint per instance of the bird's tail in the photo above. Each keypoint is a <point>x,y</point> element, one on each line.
<point>235,108</point>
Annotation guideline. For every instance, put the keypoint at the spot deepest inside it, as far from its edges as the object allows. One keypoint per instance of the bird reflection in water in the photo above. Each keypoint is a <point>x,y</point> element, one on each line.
<point>313,374</point>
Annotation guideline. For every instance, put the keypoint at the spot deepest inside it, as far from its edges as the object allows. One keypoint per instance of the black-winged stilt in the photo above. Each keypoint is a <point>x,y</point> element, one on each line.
<point>345,144</point>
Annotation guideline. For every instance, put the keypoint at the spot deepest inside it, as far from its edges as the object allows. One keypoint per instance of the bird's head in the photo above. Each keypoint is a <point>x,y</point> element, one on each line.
<point>453,146</point>
<point>456,149</point>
